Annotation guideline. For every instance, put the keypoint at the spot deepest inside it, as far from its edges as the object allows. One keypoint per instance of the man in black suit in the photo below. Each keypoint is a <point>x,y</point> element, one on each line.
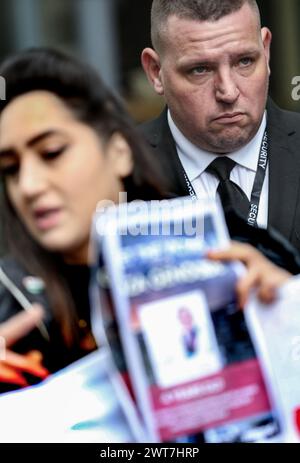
<point>210,61</point>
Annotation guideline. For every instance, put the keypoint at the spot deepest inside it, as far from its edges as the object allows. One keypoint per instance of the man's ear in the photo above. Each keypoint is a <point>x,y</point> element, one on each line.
<point>119,154</point>
<point>266,36</point>
<point>152,68</point>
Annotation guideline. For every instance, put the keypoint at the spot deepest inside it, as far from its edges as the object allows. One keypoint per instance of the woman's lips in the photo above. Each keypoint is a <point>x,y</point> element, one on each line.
<point>46,218</point>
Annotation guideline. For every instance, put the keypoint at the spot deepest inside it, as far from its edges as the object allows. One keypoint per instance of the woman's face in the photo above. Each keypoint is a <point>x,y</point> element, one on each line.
<point>56,170</point>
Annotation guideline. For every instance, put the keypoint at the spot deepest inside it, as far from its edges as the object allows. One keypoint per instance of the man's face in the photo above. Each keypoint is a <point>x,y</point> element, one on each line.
<point>214,76</point>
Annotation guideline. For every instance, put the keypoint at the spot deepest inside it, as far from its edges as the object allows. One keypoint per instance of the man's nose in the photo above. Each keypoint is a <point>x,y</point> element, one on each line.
<point>32,179</point>
<point>226,88</point>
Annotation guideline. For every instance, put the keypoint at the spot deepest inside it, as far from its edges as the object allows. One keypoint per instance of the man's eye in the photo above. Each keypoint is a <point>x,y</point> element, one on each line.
<point>200,70</point>
<point>9,170</point>
<point>53,153</point>
<point>244,62</point>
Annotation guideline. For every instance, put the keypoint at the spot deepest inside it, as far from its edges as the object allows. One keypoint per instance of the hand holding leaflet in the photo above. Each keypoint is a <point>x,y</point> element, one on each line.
<point>261,274</point>
<point>12,365</point>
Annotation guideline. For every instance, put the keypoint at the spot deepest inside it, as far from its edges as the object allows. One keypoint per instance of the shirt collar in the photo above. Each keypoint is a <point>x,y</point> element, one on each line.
<point>195,160</point>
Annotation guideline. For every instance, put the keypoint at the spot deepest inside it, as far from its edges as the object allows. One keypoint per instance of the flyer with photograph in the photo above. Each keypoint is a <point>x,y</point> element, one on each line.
<point>172,323</point>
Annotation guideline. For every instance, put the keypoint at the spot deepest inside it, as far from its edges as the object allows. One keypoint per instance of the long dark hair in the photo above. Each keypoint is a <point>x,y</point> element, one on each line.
<point>84,93</point>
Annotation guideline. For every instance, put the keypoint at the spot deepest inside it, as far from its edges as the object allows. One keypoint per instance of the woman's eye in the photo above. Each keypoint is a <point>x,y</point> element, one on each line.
<point>10,170</point>
<point>53,153</point>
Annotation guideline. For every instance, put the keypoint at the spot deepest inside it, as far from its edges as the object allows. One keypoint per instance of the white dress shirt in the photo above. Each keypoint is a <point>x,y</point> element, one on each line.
<point>196,160</point>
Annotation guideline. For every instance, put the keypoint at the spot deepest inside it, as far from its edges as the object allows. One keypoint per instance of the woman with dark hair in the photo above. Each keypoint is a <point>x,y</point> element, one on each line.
<point>66,143</point>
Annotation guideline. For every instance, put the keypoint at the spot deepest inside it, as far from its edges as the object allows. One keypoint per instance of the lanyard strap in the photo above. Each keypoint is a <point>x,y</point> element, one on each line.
<point>259,181</point>
<point>257,185</point>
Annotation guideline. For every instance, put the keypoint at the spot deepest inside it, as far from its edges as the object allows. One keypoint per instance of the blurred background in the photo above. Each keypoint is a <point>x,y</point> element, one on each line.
<point>110,35</point>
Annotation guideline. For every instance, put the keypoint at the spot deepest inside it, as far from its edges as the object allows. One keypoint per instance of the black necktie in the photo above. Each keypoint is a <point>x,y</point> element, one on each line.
<point>231,195</point>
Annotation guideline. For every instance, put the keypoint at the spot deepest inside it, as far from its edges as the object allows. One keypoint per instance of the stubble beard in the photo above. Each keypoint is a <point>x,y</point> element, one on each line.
<point>224,143</point>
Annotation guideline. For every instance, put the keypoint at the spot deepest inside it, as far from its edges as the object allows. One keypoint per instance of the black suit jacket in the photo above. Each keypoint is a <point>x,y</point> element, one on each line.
<point>284,166</point>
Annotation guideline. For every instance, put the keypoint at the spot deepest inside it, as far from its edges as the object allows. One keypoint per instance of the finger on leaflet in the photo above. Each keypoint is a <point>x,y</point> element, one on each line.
<point>267,292</point>
<point>21,362</point>
<point>35,355</point>
<point>19,325</point>
<point>11,376</point>
<point>244,285</point>
<point>236,251</point>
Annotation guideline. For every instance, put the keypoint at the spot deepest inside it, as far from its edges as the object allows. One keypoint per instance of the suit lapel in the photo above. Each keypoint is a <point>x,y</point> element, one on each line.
<point>160,138</point>
<point>284,172</point>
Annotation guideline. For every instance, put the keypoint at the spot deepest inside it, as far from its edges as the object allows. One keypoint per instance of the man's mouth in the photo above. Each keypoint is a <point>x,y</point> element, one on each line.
<point>229,118</point>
